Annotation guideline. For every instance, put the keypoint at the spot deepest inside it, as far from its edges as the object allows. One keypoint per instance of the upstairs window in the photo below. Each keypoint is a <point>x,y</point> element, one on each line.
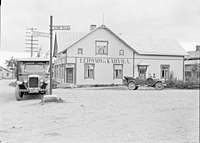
<point>165,71</point>
<point>121,52</point>
<point>80,51</point>
<point>101,47</point>
<point>118,71</point>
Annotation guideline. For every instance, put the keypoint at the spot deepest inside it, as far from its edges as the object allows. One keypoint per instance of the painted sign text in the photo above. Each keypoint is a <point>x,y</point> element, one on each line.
<point>104,61</point>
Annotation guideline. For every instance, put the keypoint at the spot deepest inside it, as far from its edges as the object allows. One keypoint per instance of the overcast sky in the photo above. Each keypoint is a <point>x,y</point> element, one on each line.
<point>179,19</point>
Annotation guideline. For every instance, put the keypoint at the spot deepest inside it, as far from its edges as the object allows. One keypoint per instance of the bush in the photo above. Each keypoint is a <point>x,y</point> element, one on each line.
<point>179,84</point>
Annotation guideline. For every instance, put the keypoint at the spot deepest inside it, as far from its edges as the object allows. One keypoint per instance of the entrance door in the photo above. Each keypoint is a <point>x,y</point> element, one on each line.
<point>69,75</point>
<point>142,71</point>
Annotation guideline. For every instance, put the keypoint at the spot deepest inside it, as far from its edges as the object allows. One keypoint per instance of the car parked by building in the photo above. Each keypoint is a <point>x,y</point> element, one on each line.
<point>134,83</point>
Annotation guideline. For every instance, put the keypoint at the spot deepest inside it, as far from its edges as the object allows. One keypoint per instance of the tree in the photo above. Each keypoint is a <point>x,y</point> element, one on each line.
<point>12,63</point>
<point>196,70</point>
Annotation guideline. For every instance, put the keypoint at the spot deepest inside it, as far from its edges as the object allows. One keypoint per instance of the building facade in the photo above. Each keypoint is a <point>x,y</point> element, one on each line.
<point>192,64</point>
<point>6,73</point>
<point>103,57</point>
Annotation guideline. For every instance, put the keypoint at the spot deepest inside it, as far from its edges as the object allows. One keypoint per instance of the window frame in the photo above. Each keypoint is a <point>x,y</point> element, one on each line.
<point>167,69</point>
<point>114,75</point>
<point>101,41</point>
<point>121,54</point>
<point>80,51</point>
<point>93,74</point>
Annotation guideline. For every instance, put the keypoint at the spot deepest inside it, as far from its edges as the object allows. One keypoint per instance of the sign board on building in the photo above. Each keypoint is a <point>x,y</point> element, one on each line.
<point>105,60</point>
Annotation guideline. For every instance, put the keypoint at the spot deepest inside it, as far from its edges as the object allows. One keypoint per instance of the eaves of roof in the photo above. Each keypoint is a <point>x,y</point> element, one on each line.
<point>5,69</point>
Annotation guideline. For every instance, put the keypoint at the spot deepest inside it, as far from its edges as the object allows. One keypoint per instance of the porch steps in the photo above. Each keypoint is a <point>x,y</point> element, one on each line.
<point>66,85</point>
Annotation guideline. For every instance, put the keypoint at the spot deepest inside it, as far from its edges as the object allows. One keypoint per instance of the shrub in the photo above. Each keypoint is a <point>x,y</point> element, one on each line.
<point>179,84</point>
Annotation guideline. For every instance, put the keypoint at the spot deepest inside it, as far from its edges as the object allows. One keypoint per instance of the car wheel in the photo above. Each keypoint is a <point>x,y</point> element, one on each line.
<point>18,94</point>
<point>149,81</point>
<point>159,86</point>
<point>131,86</point>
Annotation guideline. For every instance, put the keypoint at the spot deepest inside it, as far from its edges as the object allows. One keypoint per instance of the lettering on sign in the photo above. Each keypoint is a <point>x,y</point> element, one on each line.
<point>61,27</point>
<point>104,61</point>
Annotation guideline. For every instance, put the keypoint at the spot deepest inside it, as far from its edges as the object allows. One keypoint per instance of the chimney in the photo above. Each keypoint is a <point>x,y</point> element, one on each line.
<point>92,27</point>
<point>197,47</point>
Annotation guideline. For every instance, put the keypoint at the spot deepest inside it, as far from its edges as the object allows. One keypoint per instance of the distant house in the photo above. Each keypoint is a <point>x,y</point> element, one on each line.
<point>192,64</point>
<point>104,57</point>
<point>6,73</point>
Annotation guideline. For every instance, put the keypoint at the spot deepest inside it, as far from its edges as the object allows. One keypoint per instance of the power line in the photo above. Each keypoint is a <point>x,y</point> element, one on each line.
<point>31,41</point>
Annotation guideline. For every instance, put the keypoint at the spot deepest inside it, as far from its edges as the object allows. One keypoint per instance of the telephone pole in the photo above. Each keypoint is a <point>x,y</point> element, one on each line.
<point>0,24</point>
<point>31,41</point>
<point>54,27</point>
<point>51,35</point>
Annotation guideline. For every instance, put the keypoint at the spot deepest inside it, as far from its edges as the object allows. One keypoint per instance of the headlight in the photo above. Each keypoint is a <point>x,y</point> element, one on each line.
<point>19,82</point>
<point>25,81</point>
<point>41,80</point>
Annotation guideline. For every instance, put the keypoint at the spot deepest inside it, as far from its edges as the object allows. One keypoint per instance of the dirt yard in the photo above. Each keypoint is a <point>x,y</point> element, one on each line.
<point>101,115</point>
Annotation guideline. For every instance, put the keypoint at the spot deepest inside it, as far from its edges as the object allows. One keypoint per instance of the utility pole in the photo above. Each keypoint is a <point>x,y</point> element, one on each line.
<point>31,40</point>
<point>54,27</point>
<point>51,35</point>
<point>0,24</point>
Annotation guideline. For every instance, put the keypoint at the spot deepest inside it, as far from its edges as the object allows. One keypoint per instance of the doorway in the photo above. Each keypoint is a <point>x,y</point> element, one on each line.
<point>142,71</point>
<point>69,75</point>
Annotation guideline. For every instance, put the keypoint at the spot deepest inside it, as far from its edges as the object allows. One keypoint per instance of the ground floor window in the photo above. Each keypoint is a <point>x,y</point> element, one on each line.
<point>118,71</point>
<point>165,71</point>
<point>142,71</point>
<point>89,71</point>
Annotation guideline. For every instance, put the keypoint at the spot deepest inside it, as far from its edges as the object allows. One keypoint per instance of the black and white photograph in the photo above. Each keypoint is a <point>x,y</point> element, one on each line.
<point>99,71</point>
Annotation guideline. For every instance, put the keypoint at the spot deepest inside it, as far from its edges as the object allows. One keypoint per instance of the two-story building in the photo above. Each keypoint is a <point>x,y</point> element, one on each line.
<point>103,57</point>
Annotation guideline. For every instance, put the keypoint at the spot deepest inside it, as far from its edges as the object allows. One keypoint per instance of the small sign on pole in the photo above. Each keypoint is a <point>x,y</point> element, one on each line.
<point>61,27</point>
<point>41,34</point>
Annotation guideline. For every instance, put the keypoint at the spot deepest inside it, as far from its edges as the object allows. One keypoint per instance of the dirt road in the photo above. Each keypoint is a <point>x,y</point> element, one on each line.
<point>96,115</point>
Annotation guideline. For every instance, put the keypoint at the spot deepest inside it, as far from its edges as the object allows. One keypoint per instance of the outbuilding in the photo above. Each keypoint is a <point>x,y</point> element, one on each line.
<point>6,73</point>
<point>104,57</point>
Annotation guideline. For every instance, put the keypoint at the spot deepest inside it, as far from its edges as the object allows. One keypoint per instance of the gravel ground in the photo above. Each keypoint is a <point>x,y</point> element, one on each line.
<point>101,115</point>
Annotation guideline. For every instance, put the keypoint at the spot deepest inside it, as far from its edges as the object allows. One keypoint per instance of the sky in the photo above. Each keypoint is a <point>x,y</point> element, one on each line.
<point>179,19</point>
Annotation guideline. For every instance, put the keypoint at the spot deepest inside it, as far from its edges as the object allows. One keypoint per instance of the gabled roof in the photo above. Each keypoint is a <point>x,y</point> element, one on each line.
<point>154,45</point>
<point>8,70</point>
<point>67,39</point>
<point>139,44</point>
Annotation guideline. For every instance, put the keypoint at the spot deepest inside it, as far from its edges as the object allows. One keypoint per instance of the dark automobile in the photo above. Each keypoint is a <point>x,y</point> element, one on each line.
<point>32,77</point>
<point>134,83</point>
